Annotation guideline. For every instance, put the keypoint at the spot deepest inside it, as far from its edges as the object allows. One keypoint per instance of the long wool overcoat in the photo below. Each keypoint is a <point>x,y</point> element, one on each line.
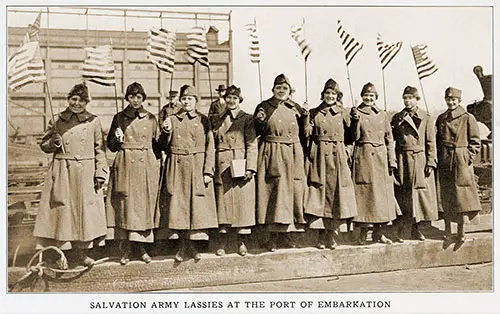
<point>235,138</point>
<point>458,142</point>
<point>70,208</point>
<point>280,167</point>
<point>133,185</point>
<point>330,192</point>
<point>373,155</point>
<point>415,138</point>
<point>189,202</point>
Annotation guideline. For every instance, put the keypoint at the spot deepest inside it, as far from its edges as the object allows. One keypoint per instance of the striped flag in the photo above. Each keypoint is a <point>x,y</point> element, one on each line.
<point>161,49</point>
<point>351,45</point>
<point>26,66</point>
<point>254,43</point>
<point>298,35</point>
<point>33,30</point>
<point>425,66</point>
<point>98,66</point>
<point>197,46</point>
<point>387,52</point>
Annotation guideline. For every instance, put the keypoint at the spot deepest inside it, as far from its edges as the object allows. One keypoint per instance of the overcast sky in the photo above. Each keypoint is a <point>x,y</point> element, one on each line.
<point>458,38</point>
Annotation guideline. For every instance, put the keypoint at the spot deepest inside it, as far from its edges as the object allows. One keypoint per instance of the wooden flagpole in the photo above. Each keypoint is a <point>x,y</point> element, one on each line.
<point>52,113</point>
<point>350,85</point>
<point>114,85</point>
<point>385,97</point>
<point>305,61</point>
<point>258,64</point>
<point>210,84</point>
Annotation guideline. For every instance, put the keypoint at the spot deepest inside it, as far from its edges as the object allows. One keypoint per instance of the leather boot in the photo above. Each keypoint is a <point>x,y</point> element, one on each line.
<point>144,254</point>
<point>242,248</point>
<point>179,256</point>
<point>272,243</point>
<point>222,244</point>
<point>379,236</point>
<point>416,234</point>
<point>194,252</point>
<point>400,233</point>
<point>126,251</point>
<point>363,232</point>
<point>447,230</point>
<point>460,232</point>
<point>331,235</point>
<point>321,239</point>
<point>84,259</point>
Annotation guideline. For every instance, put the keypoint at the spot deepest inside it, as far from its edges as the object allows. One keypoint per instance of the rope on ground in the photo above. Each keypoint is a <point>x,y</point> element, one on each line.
<point>41,271</point>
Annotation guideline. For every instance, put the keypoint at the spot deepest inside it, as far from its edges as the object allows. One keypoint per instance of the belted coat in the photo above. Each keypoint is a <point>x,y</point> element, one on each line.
<point>189,202</point>
<point>330,192</point>
<point>133,185</point>
<point>373,155</point>
<point>281,179</point>
<point>458,142</point>
<point>235,138</point>
<point>70,208</point>
<point>415,138</point>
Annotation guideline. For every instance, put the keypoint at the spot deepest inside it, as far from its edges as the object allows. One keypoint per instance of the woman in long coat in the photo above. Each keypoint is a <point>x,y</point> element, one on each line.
<point>281,124</point>
<point>133,186</point>
<point>190,200</point>
<point>235,141</point>
<point>330,199</point>
<point>71,213</point>
<point>415,190</point>
<point>374,162</point>
<point>458,143</point>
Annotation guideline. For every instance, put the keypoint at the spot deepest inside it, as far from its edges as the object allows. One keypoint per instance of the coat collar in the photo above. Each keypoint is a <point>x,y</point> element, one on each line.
<point>235,113</point>
<point>455,113</point>
<point>275,102</point>
<point>82,116</point>
<point>131,112</point>
<point>368,109</point>
<point>183,113</point>
<point>334,109</point>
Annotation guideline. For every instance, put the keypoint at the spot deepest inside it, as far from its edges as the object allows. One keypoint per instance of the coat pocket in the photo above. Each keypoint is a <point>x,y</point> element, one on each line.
<point>121,176</point>
<point>464,173</point>
<point>343,168</point>
<point>59,193</point>
<point>274,162</point>
<point>419,171</point>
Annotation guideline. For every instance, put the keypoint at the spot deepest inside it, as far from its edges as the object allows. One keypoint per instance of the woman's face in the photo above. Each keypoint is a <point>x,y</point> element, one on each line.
<point>77,104</point>
<point>330,96</point>
<point>369,98</point>
<point>232,101</point>
<point>281,91</point>
<point>188,102</point>
<point>135,100</point>
<point>410,101</point>
<point>452,102</point>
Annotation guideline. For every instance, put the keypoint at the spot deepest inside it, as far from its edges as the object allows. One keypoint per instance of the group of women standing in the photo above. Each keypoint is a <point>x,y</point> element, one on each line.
<point>285,167</point>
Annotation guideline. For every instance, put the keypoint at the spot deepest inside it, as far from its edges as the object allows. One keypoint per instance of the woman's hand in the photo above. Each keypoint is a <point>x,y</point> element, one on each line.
<point>207,179</point>
<point>167,125</point>
<point>248,175</point>
<point>57,140</point>
<point>119,135</point>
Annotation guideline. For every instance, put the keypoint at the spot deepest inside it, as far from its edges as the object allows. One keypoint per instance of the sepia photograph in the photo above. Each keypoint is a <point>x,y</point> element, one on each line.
<point>249,158</point>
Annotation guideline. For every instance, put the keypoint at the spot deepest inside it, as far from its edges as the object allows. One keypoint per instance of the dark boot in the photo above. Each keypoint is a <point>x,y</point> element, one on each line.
<point>144,254</point>
<point>272,243</point>
<point>460,232</point>
<point>179,256</point>
<point>321,239</point>
<point>363,232</point>
<point>242,248</point>
<point>194,252</point>
<point>447,230</point>
<point>222,244</point>
<point>416,234</point>
<point>126,251</point>
<point>400,233</point>
<point>379,236</point>
<point>83,258</point>
<point>331,242</point>
<point>290,240</point>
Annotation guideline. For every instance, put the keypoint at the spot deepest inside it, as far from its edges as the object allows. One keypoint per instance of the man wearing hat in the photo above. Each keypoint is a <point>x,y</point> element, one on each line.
<point>414,134</point>
<point>169,109</point>
<point>458,142</point>
<point>218,106</point>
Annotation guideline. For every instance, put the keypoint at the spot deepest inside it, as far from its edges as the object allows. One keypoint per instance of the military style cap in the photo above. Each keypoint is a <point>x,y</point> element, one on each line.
<point>80,90</point>
<point>331,84</point>
<point>282,79</point>
<point>134,89</point>
<point>188,90</point>
<point>233,90</point>
<point>453,92</point>
<point>369,88</point>
<point>410,90</point>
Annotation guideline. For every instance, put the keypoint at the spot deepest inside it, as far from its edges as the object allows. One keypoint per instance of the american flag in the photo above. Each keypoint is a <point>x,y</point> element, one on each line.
<point>425,66</point>
<point>351,45</point>
<point>298,35</point>
<point>197,46</point>
<point>98,66</point>
<point>387,52</point>
<point>26,66</point>
<point>33,30</point>
<point>254,43</point>
<point>161,49</point>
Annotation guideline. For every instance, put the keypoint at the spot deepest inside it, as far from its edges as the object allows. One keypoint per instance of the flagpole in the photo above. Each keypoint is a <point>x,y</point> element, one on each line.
<point>385,97</point>
<point>305,60</point>
<point>116,99</point>
<point>210,83</point>
<point>419,80</point>
<point>260,81</point>
<point>52,113</point>
<point>171,80</point>
<point>350,85</point>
